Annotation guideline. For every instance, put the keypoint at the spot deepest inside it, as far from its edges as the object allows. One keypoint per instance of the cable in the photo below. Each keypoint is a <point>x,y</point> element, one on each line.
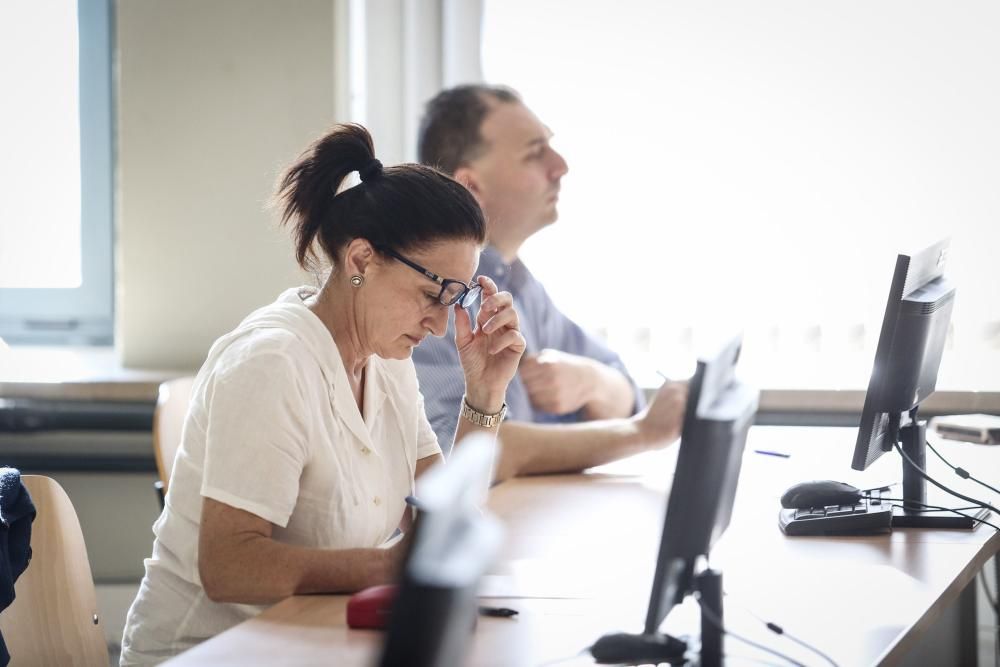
<point>938,508</point>
<point>778,630</point>
<point>927,508</point>
<point>938,484</point>
<point>961,472</point>
<point>947,509</point>
<point>717,622</point>
<point>932,508</point>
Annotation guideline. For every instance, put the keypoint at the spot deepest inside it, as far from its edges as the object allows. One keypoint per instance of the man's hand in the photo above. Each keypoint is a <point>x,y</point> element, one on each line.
<point>660,423</point>
<point>558,382</point>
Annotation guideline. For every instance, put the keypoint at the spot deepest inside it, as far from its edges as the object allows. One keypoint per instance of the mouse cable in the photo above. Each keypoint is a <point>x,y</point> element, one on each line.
<point>961,472</point>
<point>778,630</point>
<point>929,508</point>
<point>938,484</point>
<point>717,622</point>
<point>937,508</point>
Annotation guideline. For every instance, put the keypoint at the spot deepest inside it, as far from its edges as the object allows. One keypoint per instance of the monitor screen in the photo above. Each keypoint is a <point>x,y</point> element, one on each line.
<point>911,341</point>
<point>720,410</point>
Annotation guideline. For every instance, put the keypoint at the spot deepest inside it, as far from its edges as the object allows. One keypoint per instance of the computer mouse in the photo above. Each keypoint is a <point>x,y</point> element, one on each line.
<point>820,493</point>
<point>622,648</point>
<point>371,607</point>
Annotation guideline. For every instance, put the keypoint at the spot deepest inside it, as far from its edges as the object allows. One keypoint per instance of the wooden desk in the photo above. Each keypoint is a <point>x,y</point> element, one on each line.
<point>580,553</point>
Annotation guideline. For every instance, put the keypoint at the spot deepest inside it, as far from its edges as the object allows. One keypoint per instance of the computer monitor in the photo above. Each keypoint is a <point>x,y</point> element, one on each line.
<point>454,543</point>
<point>719,412</point>
<point>904,374</point>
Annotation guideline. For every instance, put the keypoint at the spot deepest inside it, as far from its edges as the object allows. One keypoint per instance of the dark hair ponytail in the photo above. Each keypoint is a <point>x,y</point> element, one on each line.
<point>401,207</point>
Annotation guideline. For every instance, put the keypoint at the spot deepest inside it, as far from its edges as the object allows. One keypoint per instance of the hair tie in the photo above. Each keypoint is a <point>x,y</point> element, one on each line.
<point>372,170</point>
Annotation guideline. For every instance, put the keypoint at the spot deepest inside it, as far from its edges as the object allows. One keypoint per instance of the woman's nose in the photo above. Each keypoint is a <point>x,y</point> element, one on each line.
<point>437,321</point>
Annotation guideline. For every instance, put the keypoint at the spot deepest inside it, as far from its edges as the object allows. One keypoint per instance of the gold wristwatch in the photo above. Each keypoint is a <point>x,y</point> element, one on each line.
<point>481,418</point>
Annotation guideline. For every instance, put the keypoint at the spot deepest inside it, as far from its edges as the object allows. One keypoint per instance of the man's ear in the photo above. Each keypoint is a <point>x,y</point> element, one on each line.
<point>468,177</point>
<point>358,256</point>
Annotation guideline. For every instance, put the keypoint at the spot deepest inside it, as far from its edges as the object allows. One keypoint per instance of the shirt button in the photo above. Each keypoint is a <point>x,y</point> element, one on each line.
<point>365,450</point>
<point>377,501</point>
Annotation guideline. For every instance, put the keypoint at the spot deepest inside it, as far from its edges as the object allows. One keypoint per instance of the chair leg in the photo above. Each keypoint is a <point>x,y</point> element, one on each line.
<point>158,485</point>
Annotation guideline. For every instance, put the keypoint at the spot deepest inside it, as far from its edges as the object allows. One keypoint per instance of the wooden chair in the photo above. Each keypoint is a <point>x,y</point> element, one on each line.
<point>53,619</point>
<point>168,420</point>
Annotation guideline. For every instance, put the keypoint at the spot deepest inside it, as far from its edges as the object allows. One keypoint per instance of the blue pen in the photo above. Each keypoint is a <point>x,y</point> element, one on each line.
<point>780,455</point>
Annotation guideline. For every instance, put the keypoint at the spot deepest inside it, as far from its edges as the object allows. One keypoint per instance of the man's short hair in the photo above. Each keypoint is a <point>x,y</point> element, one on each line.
<point>450,129</point>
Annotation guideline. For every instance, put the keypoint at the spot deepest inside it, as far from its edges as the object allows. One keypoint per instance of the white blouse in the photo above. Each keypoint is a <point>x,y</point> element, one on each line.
<point>273,429</point>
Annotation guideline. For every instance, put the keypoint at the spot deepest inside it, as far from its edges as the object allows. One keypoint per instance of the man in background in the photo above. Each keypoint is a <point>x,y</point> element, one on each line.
<point>572,404</point>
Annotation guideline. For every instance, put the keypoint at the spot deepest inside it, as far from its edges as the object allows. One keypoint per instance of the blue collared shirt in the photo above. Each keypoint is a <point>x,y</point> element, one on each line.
<point>543,326</point>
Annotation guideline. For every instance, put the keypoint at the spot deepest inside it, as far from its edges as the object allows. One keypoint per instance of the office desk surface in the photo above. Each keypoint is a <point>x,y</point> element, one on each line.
<point>581,550</point>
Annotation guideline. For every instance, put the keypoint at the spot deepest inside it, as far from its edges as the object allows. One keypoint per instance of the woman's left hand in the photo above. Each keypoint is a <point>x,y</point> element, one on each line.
<point>491,353</point>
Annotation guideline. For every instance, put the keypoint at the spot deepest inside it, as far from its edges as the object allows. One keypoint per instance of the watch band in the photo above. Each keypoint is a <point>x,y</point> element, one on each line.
<point>481,418</point>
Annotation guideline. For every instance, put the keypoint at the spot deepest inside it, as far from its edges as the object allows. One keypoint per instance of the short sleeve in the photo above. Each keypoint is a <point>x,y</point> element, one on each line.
<point>256,438</point>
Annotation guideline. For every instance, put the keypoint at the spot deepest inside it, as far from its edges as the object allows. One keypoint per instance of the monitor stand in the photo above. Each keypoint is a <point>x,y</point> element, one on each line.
<point>913,439</point>
<point>658,647</point>
<point>709,583</point>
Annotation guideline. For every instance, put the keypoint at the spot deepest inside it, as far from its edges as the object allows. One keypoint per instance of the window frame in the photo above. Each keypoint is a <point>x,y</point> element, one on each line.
<point>82,315</point>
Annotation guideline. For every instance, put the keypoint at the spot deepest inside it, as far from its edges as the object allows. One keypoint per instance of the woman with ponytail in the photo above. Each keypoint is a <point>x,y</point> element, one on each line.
<point>306,427</point>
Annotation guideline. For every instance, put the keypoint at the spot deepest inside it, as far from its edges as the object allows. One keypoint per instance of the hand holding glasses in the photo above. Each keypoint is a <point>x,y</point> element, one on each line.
<point>452,291</point>
<point>490,353</point>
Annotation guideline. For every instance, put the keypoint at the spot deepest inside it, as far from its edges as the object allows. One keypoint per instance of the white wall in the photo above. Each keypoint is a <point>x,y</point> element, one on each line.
<point>214,99</point>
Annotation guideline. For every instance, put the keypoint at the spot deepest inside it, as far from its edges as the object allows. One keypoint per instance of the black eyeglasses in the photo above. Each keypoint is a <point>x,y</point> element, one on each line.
<point>452,291</point>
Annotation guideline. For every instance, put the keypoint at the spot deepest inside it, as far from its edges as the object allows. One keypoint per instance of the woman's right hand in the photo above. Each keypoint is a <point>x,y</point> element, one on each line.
<point>491,353</point>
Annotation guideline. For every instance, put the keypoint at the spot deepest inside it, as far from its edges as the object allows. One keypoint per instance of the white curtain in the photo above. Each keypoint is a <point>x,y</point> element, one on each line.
<point>394,55</point>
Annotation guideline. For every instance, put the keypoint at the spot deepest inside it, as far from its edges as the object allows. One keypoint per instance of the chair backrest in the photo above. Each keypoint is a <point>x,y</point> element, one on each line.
<point>168,420</point>
<point>53,619</point>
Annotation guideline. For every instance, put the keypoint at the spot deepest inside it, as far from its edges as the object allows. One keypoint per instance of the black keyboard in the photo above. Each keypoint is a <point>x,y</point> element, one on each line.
<point>868,515</point>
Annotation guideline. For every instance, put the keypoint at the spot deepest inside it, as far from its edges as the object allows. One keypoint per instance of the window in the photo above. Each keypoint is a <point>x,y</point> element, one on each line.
<point>56,172</point>
<point>759,166</point>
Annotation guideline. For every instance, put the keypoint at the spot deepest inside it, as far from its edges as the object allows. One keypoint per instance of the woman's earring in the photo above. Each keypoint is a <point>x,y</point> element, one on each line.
<point>357,280</point>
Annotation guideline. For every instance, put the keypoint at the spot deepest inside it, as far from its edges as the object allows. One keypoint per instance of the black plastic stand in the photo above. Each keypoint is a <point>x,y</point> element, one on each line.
<point>628,649</point>
<point>913,440</point>
<point>709,583</point>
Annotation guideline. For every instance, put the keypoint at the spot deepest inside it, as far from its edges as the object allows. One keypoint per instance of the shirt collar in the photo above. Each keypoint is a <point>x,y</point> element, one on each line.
<point>324,348</point>
<point>507,276</point>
